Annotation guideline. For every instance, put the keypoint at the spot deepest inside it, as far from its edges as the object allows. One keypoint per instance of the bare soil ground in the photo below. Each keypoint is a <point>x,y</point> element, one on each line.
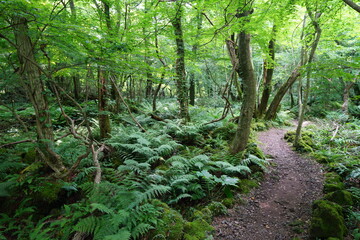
<point>280,208</point>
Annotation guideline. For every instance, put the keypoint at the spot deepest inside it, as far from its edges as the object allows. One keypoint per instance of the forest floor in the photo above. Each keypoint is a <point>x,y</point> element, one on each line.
<point>280,207</point>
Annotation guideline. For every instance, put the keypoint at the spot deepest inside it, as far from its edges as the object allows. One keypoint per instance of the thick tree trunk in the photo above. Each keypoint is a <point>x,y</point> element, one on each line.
<point>267,78</point>
<point>31,80</point>
<point>180,65</point>
<point>246,73</point>
<point>104,120</point>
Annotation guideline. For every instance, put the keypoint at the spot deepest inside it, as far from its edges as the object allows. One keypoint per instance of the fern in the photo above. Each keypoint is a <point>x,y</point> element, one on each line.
<point>254,160</point>
<point>140,229</point>
<point>89,225</point>
<point>122,234</point>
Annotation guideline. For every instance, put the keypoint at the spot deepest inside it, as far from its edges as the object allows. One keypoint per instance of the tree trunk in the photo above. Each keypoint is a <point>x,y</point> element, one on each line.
<point>31,80</point>
<point>271,112</point>
<point>192,89</point>
<point>77,87</point>
<point>246,73</point>
<point>345,106</point>
<point>317,34</point>
<point>104,120</point>
<point>267,77</point>
<point>180,65</point>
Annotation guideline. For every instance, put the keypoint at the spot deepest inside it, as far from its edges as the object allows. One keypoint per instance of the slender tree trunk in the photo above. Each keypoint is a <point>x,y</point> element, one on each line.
<point>346,94</point>
<point>267,77</point>
<point>104,119</point>
<point>180,65</point>
<point>77,87</point>
<point>246,73</point>
<point>317,34</point>
<point>195,47</point>
<point>192,89</point>
<point>31,80</point>
<point>271,112</point>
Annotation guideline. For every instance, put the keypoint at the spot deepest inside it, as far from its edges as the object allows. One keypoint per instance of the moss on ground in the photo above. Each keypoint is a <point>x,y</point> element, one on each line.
<point>327,220</point>
<point>341,197</point>
<point>198,229</point>
<point>305,144</point>
<point>171,224</point>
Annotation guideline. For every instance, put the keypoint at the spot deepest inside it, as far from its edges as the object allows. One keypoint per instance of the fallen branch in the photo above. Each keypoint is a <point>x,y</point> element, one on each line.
<point>17,142</point>
<point>96,162</point>
<point>335,132</point>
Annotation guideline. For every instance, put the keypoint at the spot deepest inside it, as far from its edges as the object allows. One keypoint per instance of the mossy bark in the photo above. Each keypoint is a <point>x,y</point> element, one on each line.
<point>246,73</point>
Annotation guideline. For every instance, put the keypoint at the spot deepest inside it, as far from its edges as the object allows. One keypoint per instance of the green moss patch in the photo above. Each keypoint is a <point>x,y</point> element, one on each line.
<point>327,220</point>
<point>198,229</point>
<point>171,224</point>
<point>305,144</point>
<point>341,197</point>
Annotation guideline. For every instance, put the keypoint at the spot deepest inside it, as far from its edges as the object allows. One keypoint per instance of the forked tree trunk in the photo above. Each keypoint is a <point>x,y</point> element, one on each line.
<point>246,73</point>
<point>180,65</point>
<point>31,80</point>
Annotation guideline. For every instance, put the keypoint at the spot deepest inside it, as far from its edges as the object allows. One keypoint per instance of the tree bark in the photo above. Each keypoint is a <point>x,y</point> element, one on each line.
<point>345,106</point>
<point>246,73</point>
<point>31,80</point>
<point>352,5</point>
<point>317,34</point>
<point>271,112</point>
<point>77,87</point>
<point>104,120</point>
<point>180,65</point>
<point>267,77</point>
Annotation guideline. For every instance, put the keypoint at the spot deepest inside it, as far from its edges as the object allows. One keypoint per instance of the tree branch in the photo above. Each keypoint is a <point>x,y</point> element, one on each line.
<point>352,5</point>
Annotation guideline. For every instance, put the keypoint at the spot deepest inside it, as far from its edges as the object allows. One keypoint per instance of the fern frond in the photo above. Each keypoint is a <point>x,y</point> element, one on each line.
<point>122,234</point>
<point>140,229</point>
<point>89,225</point>
<point>165,150</point>
<point>179,197</point>
<point>237,169</point>
<point>101,207</point>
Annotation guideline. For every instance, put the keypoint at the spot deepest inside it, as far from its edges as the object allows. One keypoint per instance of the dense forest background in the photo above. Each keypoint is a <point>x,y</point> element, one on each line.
<point>137,119</point>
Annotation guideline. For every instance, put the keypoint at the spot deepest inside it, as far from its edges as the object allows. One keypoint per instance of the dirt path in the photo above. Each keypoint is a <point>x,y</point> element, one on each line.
<point>280,208</point>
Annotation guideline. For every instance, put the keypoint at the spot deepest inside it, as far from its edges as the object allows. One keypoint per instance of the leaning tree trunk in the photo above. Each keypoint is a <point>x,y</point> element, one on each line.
<point>271,112</point>
<point>180,65</point>
<point>246,73</point>
<point>31,80</point>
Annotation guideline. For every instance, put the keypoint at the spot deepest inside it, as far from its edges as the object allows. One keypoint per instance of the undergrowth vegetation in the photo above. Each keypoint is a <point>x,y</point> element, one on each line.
<point>170,175</point>
<point>335,142</point>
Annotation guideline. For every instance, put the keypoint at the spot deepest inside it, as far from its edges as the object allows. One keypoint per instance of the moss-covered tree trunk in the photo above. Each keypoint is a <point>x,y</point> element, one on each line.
<point>180,65</point>
<point>246,73</point>
<point>31,80</point>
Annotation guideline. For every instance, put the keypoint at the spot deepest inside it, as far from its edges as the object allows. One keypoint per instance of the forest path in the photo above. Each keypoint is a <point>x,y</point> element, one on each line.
<point>280,208</point>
